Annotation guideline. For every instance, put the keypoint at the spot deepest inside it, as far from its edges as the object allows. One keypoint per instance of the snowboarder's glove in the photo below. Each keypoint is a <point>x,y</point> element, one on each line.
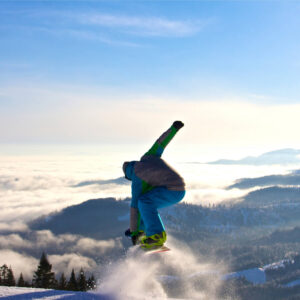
<point>134,237</point>
<point>128,232</point>
<point>178,124</point>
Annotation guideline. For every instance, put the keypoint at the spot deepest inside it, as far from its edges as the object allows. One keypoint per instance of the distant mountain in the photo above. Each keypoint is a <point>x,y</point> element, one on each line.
<point>99,218</point>
<point>281,236</point>
<point>273,196</point>
<point>292,179</point>
<point>119,181</point>
<point>108,218</point>
<point>283,156</point>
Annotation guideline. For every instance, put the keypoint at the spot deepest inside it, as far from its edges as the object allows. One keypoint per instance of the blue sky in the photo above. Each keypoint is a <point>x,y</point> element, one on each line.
<point>68,54</point>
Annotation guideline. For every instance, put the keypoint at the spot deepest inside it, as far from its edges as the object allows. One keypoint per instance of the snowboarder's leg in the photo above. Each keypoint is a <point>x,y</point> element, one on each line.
<point>148,205</point>
<point>137,228</point>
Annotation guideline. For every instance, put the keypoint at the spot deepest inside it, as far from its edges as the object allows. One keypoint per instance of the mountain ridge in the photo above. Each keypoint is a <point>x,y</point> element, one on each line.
<point>281,156</point>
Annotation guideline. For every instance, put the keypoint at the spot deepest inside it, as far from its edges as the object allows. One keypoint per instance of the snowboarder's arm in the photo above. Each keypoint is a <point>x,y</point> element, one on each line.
<point>159,146</point>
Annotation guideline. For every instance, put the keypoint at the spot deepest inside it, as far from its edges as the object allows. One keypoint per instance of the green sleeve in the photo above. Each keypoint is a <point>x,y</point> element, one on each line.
<point>159,146</point>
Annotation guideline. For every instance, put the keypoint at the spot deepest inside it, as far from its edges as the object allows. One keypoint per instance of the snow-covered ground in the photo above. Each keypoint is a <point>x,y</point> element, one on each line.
<point>136,278</point>
<point>293,283</point>
<point>17,293</point>
<point>255,275</point>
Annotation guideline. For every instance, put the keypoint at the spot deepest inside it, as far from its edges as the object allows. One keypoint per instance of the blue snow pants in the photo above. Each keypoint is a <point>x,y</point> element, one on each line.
<point>150,202</point>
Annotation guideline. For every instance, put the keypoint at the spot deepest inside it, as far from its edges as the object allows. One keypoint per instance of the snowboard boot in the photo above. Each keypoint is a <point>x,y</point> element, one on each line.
<point>154,241</point>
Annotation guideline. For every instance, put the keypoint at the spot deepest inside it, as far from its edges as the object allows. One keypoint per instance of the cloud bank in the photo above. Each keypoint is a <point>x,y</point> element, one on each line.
<point>66,251</point>
<point>106,118</point>
<point>19,262</point>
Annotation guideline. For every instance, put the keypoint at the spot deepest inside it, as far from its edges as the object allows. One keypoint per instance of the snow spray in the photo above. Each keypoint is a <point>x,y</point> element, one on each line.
<point>174,274</point>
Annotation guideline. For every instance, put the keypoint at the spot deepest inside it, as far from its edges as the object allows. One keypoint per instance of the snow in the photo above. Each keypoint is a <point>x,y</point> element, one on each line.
<point>124,279</point>
<point>293,283</point>
<point>255,275</point>
<point>18,293</point>
<point>277,265</point>
<point>124,218</point>
<point>119,283</point>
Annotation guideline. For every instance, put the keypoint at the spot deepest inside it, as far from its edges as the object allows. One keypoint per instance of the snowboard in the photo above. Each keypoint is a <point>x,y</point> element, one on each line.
<point>158,250</point>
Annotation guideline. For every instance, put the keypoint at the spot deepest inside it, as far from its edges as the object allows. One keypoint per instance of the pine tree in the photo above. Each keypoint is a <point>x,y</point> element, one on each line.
<point>81,280</point>
<point>10,277</point>
<point>91,283</point>
<point>21,281</point>
<point>4,274</point>
<point>62,283</point>
<point>72,284</point>
<point>43,277</point>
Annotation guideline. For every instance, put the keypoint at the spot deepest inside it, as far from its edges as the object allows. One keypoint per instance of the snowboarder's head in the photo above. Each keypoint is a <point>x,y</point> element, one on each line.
<point>128,169</point>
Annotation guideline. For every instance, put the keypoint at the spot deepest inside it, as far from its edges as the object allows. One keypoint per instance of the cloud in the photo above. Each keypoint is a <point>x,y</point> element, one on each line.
<point>35,242</point>
<point>111,29</point>
<point>95,247</point>
<point>82,34</point>
<point>118,181</point>
<point>45,239</point>
<point>16,226</point>
<point>146,26</point>
<point>214,196</point>
<point>22,263</point>
<point>65,263</point>
<point>234,123</point>
<point>141,25</point>
<point>30,183</point>
<point>66,251</point>
<point>13,241</point>
<point>38,188</point>
<point>19,263</point>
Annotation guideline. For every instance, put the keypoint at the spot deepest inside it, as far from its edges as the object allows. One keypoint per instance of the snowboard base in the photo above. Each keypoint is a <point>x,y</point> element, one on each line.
<point>158,250</point>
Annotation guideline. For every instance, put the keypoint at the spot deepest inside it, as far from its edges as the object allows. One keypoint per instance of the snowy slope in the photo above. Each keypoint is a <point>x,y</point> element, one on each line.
<point>293,283</point>
<point>255,275</point>
<point>17,293</point>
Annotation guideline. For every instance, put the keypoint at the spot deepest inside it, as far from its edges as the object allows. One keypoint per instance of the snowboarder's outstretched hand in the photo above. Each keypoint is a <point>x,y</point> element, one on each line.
<point>128,232</point>
<point>178,124</point>
<point>134,238</point>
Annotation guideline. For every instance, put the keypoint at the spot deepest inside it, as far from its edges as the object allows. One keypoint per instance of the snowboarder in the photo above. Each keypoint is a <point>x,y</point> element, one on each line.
<point>154,185</point>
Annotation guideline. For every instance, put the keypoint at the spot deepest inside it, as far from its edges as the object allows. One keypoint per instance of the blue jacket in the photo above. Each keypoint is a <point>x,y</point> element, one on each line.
<point>152,171</point>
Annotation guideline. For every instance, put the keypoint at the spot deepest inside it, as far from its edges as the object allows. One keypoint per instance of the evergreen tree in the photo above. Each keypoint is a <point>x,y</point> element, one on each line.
<point>10,277</point>
<point>4,274</point>
<point>91,283</point>
<point>72,284</point>
<point>43,277</point>
<point>21,281</point>
<point>62,283</point>
<point>81,280</point>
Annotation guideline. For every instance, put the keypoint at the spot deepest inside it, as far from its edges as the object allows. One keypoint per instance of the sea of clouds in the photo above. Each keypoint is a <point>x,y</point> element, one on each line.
<point>37,183</point>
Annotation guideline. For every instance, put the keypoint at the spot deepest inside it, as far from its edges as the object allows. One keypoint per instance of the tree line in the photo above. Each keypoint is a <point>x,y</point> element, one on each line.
<point>45,278</point>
